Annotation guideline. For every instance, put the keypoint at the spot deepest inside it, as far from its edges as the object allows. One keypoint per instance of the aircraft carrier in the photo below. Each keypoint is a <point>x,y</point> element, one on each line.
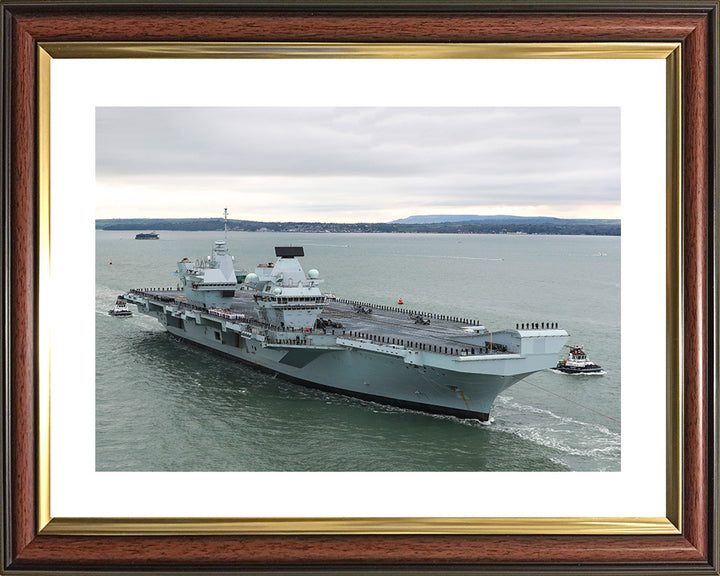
<point>277,319</point>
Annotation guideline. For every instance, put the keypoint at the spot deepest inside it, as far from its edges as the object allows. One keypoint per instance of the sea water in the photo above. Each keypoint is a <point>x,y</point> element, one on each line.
<point>165,405</point>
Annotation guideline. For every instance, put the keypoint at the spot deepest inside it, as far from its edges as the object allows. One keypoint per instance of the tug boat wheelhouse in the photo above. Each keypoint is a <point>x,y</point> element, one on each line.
<point>577,362</point>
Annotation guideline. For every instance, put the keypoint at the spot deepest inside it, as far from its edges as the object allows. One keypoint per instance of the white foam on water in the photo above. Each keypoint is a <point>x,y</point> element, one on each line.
<point>600,373</point>
<point>569,436</point>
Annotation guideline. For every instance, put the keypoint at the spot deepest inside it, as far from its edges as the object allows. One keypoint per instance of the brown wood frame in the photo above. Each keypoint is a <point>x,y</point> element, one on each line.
<point>692,23</point>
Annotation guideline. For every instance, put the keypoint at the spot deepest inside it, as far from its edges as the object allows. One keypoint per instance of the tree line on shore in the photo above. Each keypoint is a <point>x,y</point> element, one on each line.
<point>565,227</point>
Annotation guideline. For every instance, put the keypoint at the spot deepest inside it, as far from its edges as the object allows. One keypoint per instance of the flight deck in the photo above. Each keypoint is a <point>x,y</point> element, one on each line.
<point>392,325</point>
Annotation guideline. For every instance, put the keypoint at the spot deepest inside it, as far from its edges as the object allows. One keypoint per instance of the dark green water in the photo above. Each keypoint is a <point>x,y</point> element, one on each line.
<point>164,405</point>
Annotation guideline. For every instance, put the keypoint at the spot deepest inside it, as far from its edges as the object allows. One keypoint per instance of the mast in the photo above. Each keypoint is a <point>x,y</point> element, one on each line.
<point>226,215</point>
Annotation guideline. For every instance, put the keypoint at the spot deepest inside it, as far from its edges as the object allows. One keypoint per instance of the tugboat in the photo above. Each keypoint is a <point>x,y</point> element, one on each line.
<point>120,308</point>
<point>577,362</point>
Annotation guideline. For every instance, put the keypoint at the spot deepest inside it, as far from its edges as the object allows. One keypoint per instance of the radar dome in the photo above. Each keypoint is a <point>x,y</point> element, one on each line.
<point>277,291</point>
<point>251,278</point>
<point>313,274</point>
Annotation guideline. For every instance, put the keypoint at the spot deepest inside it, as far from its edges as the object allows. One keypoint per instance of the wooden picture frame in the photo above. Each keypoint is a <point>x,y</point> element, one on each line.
<point>30,547</point>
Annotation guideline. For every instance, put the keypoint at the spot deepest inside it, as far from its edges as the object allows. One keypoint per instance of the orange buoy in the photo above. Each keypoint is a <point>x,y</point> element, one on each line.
<point>400,301</point>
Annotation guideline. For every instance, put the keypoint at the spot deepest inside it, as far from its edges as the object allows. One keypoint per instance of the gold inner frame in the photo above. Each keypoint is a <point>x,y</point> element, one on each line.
<point>671,524</point>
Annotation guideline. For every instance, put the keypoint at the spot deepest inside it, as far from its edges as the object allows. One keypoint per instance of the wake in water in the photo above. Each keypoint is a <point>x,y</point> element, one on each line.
<point>475,258</point>
<point>328,245</point>
<point>104,301</point>
<point>592,445</point>
<point>600,373</point>
<point>480,258</point>
<point>103,293</point>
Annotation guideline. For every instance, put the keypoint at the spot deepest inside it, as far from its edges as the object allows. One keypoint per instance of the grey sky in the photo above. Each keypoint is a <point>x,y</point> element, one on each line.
<point>357,164</point>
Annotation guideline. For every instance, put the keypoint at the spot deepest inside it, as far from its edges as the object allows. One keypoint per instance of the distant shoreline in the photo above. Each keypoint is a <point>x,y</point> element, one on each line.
<point>554,226</point>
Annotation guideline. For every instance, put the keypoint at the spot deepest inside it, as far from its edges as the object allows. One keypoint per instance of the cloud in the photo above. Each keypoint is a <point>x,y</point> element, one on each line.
<point>311,163</point>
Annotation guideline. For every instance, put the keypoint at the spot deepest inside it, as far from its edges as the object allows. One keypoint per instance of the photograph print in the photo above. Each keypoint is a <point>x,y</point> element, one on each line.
<point>357,289</point>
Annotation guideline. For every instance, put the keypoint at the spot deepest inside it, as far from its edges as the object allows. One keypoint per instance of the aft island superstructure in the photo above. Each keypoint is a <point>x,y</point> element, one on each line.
<point>277,319</point>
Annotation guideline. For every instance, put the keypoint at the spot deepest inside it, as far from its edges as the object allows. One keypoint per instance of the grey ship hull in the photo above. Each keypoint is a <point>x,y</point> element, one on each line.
<point>369,376</point>
<point>356,364</point>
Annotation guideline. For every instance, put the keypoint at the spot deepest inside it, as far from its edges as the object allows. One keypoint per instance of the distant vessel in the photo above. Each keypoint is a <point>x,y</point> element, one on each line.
<point>577,362</point>
<point>277,319</point>
<point>147,236</point>
<point>120,308</point>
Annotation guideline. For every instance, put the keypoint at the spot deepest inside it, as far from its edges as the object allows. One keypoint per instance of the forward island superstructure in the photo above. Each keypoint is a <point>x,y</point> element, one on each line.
<point>277,319</point>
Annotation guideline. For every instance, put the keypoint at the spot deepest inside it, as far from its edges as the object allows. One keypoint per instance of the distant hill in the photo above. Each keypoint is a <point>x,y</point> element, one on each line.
<point>485,225</point>
<point>497,219</point>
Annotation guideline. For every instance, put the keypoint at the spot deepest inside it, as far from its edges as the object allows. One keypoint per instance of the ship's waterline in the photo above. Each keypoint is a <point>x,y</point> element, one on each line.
<point>517,405</point>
